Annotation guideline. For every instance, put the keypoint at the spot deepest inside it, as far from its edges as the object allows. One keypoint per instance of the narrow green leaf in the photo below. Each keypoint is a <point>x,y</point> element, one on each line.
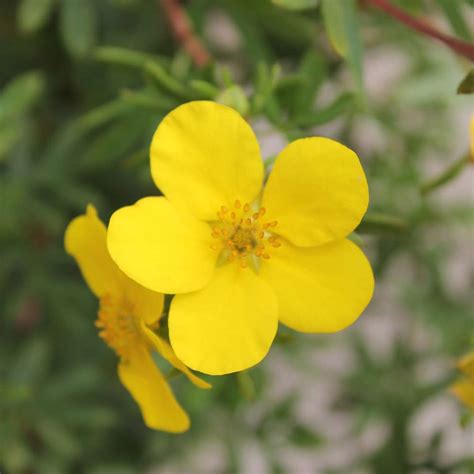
<point>446,176</point>
<point>467,84</point>
<point>30,362</point>
<point>246,385</point>
<point>101,115</point>
<point>376,222</point>
<point>296,4</point>
<point>33,14</point>
<point>20,94</point>
<point>10,133</point>
<point>204,89</point>
<point>313,69</point>
<point>265,82</point>
<point>453,11</point>
<point>302,436</point>
<point>124,57</point>
<point>334,23</point>
<point>338,107</point>
<point>167,81</point>
<point>148,99</point>
<point>342,26</point>
<point>58,439</point>
<point>234,97</point>
<point>78,23</point>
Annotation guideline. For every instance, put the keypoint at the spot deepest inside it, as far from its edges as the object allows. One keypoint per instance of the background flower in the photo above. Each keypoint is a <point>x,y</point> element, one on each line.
<point>126,318</point>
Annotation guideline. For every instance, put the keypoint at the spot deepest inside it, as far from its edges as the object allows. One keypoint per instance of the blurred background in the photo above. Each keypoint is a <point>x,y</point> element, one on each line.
<point>83,85</point>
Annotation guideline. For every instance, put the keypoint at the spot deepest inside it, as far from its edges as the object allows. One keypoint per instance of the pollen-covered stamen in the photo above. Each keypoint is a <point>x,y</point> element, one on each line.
<point>117,326</point>
<point>242,233</point>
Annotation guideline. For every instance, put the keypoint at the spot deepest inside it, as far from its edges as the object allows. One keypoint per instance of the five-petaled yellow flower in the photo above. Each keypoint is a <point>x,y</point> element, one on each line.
<point>240,258</point>
<point>464,387</point>
<point>126,318</point>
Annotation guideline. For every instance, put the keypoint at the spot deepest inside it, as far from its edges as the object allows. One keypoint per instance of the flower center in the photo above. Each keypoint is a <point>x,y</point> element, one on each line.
<point>242,233</point>
<point>117,326</point>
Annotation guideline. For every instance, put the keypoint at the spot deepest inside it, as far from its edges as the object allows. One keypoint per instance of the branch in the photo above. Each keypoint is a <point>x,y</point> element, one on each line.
<point>462,48</point>
<point>184,33</point>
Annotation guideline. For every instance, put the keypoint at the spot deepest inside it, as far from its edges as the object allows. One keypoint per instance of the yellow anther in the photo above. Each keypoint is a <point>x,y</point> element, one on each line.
<point>242,233</point>
<point>118,327</point>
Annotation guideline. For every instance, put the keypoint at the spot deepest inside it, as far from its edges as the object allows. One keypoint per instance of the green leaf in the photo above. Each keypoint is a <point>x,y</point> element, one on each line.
<point>31,362</point>
<point>302,436</point>
<point>446,176</point>
<point>454,14</point>
<point>334,23</point>
<point>313,71</point>
<point>10,133</point>
<point>296,4</point>
<point>338,107</point>
<point>265,82</point>
<point>58,439</point>
<point>467,84</point>
<point>246,385</point>
<point>125,57</point>
<point>342,27</point>
<point>167,82</point>
<point>234,97</point>
<point>376,222</point>
<point>20,94</point>
<point>119,139</point>
<point>78,25</point>
<point>33,14</point>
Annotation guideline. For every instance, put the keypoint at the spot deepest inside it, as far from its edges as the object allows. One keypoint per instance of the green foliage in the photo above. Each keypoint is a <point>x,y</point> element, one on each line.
<point>83,85</point>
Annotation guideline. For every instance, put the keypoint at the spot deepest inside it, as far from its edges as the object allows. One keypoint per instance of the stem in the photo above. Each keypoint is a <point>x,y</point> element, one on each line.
<point>462,48</point>
<point>184,32</point>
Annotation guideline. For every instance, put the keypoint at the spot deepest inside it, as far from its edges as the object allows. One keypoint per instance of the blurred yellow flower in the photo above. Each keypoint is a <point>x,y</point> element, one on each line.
<point>464,387</point>
<point>238,257</point>
<point>128,313</point>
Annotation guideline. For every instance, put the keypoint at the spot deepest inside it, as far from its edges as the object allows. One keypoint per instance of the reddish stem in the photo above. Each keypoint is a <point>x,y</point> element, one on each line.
<point>463,48</point>
<point>184,33</point>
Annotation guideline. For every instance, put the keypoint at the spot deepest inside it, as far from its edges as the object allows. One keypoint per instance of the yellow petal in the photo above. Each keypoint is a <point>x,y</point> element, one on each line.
<point>166,351</point>
<point>85,240</point>
<point>319,289</point>
<point>464,391</point>
<point>147,305</point>
<point>317,192</point>
<point>146,384</point>
<point>466,365</point>
<point>161,248</point>
<point>203,156</point>
<point>226,327</point>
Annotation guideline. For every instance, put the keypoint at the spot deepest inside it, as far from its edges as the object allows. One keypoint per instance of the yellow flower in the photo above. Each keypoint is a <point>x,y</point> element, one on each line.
<point>128,313</point>
<point>464,387</point>
<point>240,258</point>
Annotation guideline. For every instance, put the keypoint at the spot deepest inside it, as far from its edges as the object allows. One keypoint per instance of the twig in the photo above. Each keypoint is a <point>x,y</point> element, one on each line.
<point>184,33</point>
<point>463,48</point>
